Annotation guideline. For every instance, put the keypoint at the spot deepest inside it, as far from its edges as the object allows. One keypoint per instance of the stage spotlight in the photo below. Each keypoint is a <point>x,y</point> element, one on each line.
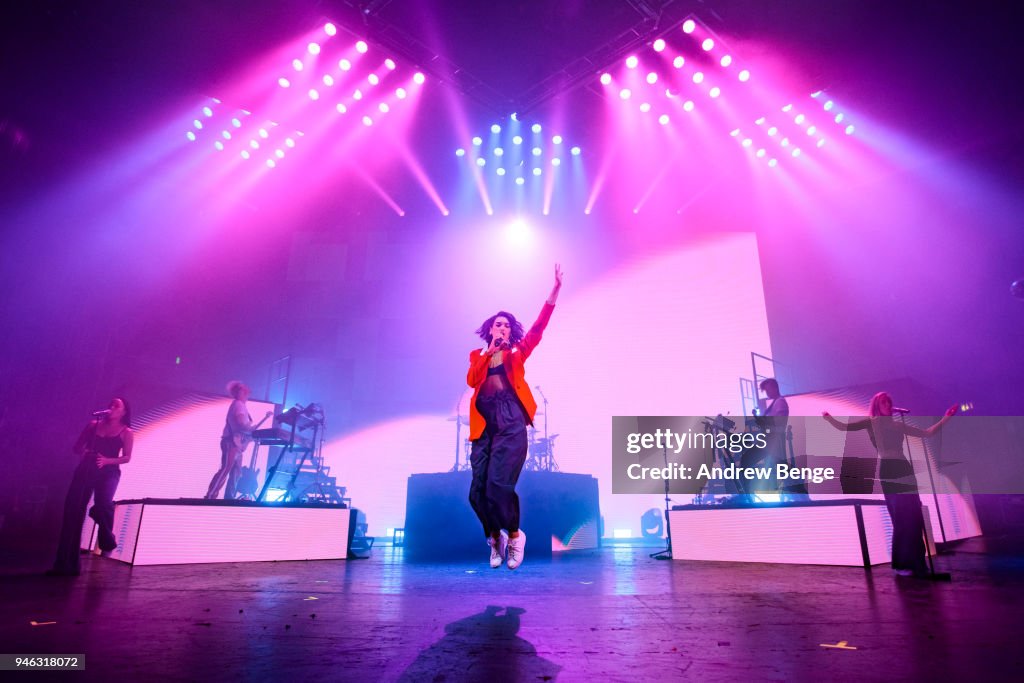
<point>519,181</point>
<point>760,121</point>
<point>708,44</point>
<point>271,163</point>
<point>341,108</point>
<point>264,134</point>
<point>625,93</point>
<point>517,140</point>
<point>678,62</point>
<point>357,95</point>
<point>536,151</point>
<point>652,78</point>
<point>283,82</point>
<point>314,94</point>
<point>419,78</point>
<point>400,93</point>
<point>849,130</point>
<point>236,123</point>
<point>645,107</point>
<point>245,154</point>
<point>829,105</point>
<point>535,128</point>
<point>198,124</point>
<point>606,79</point>
<point>747,142</point>
<point>631,62</point>
<point>225,134</point>
<point>498,151</point>
<point>362,47</point>
<point>698,77</point>
<point>481,161</point>
<point>799,119</point>
<point>314,48</point>
<point>796,152</point>
<point>744,76</point>
<point>344,64</point>
<point>663,119</point>
<point>811,130</point>
<point>659,45</point>
<point>556,162</point>
<point>784,142</point>
<point>389,64</point>
<point>495,128</point>
<point>460,152</point>
<point>787,108</point>
<point>773,163</point>
<point>761,152</point>
<point>688,105</point>
<point>772,131</point>
<point>821,142</point>
<point>207,111</point>
<point>576,151</point>
<point>279,153</point>
<point>374,79</point>
<point>328,80</point>
<point>735,133</point>
<point>689,25</point>
<point>536,171</point>
<point>254,144</point>
<point>383,107</point>
<point>330,29</point>
<point>297,64</point>
<point>288,142</point>
<point>839,118</point>
<point>478,141</point>
<point>191,136</point>
<point>367,121</point>
<point>556,140</point>
<point>500,171</point>
<point>726,60</point>
<point>715,91</point>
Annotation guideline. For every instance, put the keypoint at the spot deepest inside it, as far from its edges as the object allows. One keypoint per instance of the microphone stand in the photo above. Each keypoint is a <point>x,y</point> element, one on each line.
<point>932,574</point>
<point>665,554</point>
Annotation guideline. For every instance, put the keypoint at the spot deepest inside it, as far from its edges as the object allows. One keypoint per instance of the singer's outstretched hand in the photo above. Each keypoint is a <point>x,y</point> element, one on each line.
<point>558,284</point>
<point>952,411</point>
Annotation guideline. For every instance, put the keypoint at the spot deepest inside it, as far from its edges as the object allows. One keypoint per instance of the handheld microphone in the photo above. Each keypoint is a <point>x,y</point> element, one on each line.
<point>902,411</point>
<point>101,413</point>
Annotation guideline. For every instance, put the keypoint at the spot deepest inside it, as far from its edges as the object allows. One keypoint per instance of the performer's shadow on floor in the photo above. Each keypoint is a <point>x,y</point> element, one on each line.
<point>482,647</point>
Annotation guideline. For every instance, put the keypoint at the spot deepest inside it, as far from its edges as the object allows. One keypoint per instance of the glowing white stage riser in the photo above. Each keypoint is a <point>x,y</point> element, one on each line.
<point>826,535</point>
<point>168,533</point>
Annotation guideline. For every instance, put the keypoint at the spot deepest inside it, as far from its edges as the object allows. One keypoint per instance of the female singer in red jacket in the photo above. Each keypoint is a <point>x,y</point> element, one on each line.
<point>501,407</point>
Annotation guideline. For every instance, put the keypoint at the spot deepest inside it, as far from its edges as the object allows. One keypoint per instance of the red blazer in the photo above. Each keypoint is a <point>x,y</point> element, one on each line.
<point>514,362</point>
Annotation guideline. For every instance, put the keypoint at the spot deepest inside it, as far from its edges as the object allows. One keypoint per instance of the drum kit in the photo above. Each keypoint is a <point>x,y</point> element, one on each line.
<point>541,449</point>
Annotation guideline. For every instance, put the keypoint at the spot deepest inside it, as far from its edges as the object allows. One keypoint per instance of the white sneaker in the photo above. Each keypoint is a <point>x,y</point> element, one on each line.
<point>498,550</point>
<point>516,550</point>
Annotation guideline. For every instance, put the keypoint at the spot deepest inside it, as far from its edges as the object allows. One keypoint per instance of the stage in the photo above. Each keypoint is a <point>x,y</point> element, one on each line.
<point>610,614</point>
<point>196,531</point>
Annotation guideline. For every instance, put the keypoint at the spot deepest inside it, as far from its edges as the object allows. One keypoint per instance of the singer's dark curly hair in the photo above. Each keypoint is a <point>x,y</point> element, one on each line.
<point>516,332</point>
<point>126,419</point>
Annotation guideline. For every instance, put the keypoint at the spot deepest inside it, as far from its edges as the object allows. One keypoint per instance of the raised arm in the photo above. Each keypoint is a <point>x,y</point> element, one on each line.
<point>851,426</point>
<point>934,429</point>
<point>532,338</point>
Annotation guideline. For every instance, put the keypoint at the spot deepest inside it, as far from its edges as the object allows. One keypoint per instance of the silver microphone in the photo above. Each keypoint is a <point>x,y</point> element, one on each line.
<point>101,413</point>
<point>902,411</point>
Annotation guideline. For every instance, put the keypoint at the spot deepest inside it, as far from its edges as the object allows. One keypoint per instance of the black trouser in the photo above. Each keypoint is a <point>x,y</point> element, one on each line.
<point>230,469</point>
<point>904,505</point>
<point>89,480</point>
<point>497,458</point>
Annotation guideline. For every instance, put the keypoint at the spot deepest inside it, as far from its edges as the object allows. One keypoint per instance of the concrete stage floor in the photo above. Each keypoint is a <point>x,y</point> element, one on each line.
<point>610,614</point>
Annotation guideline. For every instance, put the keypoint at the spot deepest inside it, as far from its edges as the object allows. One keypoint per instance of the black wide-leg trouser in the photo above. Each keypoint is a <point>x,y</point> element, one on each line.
<point>497,459</point>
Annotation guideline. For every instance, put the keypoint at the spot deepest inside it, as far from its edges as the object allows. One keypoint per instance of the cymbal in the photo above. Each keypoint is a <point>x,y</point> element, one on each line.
<point>461,418</point>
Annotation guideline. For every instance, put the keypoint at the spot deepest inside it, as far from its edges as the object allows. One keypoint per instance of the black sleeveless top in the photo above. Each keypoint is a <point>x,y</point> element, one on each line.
<point>108,446</point>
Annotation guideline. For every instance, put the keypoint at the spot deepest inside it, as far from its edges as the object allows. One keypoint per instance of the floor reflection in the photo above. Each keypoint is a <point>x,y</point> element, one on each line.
<point>482,647</point>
